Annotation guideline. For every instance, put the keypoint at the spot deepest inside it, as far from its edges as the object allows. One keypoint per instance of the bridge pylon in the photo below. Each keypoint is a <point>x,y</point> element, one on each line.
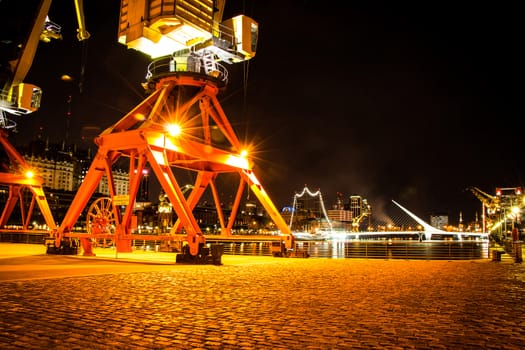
<point>180,125</point>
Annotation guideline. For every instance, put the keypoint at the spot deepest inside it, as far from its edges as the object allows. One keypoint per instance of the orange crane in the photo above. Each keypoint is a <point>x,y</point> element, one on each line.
<point>19,98</point>
<point>180,125</point>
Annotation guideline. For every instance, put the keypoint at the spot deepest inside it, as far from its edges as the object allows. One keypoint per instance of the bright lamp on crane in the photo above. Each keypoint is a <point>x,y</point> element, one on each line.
<point>173,129</point>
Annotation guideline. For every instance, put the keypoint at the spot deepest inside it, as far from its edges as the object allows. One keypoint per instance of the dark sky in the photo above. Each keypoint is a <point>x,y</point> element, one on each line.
<point>411,101</point>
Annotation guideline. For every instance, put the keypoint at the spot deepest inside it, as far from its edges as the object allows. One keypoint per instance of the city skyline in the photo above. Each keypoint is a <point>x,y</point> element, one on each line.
<point>62,168</point>
<point>404,102</point>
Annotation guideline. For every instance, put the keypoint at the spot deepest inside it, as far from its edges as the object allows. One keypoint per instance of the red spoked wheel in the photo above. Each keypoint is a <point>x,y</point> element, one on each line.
<point>100,219</point>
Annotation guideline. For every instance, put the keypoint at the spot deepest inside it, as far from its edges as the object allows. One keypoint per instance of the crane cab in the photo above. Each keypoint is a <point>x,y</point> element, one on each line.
<point>22,99</point>
<point>243,33</point>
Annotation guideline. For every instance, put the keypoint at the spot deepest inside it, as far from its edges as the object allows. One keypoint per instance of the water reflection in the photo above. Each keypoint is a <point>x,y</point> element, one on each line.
<point>432,250</point>
<point>386,249</point>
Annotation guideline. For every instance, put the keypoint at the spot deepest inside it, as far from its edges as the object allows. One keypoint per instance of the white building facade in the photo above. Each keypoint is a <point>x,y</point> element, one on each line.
<point>67,175</point>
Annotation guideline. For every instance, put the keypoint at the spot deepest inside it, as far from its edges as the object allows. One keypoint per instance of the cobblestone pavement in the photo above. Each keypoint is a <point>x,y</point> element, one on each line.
<point>272,303</point>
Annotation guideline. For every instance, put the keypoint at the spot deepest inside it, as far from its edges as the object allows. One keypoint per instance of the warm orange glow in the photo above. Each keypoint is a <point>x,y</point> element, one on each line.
<point>66,77</point>
<point>163,142</point>
<point>173,129</point>
<point>156,44</point>
<point>238,162</point>
<point>29,174</point>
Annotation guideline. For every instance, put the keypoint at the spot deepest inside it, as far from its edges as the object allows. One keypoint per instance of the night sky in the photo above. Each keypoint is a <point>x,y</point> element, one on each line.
<point>411,101</point>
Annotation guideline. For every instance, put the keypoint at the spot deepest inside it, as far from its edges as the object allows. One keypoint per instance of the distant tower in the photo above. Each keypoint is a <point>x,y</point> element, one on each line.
<point>143,193</point>
<point>460,226</point>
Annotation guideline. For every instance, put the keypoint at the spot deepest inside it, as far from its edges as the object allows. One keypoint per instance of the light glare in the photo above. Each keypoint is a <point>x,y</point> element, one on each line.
<point>173,129</point>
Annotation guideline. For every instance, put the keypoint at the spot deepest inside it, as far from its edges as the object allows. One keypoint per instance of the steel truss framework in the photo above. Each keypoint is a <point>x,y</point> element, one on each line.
<point>18,182</point>
<point>189,100</point>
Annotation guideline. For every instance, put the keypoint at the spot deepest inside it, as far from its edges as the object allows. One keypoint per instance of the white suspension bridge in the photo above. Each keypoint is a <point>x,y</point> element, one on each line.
<point>325,229</point>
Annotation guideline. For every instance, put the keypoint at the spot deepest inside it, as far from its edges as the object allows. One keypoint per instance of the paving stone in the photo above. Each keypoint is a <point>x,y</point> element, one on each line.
<point>271,304</point>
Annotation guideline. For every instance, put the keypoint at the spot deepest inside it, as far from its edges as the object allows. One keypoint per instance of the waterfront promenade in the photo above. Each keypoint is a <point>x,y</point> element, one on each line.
<point>128,302</point>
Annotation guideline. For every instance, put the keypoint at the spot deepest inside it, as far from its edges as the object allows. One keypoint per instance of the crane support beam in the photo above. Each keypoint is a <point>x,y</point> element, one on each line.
<point>19,180</point>
<point>28,52</point>
<point>82,33</point>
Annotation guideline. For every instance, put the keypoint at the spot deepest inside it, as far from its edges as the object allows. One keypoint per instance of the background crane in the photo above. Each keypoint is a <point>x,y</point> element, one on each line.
<point>501,210</point>
<point>19,98</point>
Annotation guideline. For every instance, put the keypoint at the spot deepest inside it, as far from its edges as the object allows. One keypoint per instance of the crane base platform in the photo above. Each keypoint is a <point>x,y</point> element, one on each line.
<point>65,248</point>
<point>206,255</point>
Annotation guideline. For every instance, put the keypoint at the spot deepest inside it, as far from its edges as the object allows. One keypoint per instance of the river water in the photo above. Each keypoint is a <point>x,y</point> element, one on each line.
<point>343,248</point>
<point>381,249</point>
